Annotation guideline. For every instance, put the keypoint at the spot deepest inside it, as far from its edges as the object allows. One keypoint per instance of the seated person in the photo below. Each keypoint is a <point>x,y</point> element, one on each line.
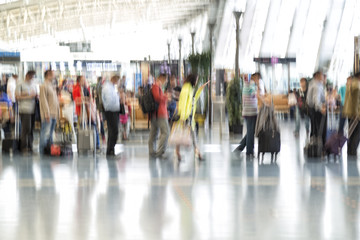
<point>172,105</point>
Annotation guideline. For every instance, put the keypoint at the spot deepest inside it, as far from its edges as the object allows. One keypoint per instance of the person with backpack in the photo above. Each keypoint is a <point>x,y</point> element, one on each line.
<point>302,108</point>
<point>159,119</point>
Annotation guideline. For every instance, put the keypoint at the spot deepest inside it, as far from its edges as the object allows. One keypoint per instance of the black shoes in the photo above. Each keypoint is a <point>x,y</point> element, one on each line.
<point>239,148</point>
<point>110,153</point>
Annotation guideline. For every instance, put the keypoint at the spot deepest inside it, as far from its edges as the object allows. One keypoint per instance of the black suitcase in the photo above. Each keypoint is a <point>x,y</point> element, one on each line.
<point>314,148</point>
<point>269,142</point>
<point>66,149</point>
<point>11,143</point>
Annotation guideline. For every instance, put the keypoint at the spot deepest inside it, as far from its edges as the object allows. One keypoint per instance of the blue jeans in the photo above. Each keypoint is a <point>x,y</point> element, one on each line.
<point>47,130</point>
<point>248,139</point>
<point>297,121</point>
<point>97,135</point>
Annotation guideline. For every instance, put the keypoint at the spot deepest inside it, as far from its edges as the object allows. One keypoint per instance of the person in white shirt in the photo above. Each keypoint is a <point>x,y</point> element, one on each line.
<point>26,93</point>
<point>11,87</point>
<point>111,104</point>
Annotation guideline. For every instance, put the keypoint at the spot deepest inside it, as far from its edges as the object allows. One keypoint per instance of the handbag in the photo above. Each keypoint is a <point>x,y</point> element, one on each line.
<point>180,135</point>
<point>55,150</point>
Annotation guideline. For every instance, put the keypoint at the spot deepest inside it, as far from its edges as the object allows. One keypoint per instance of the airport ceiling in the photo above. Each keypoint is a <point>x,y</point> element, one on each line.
<point>24,19</point>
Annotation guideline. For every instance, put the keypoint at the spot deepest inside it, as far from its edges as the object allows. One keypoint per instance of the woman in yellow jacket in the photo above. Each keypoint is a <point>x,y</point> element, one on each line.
<point>186,110</point>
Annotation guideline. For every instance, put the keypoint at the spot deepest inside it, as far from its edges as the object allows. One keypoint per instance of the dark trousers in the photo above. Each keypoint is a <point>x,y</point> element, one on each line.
<point>27,122</point>
<point>112,119</point>
<point>341,121</point>
<point>249,139</point>
<point>313,123</point>
<point>320,127</point>
<point>318,124</point>
<point>102,119</point>
<point>354,139</point>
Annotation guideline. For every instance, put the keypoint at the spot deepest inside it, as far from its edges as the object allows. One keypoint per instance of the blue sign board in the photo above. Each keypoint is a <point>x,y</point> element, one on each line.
<point>9,56</point>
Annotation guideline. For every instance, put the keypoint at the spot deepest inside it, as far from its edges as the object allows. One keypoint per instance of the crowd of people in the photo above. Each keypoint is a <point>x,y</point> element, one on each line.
<point>32,103</point>
<point>314,102</point>
<point>106,102</point>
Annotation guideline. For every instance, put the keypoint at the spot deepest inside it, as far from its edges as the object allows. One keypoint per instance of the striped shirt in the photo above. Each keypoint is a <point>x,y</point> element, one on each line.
<point>250,102</point>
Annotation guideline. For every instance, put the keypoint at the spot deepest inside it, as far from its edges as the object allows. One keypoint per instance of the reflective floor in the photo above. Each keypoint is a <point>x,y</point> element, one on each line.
<point>225,197</point>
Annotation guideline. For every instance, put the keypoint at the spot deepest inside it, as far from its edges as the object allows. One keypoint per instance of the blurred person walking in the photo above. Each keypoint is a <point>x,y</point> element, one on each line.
<point>25,95</point>
<point>80,94</point>
<point>49,109</point>
<point>111,104</point>
<point>251,91</point>
<point>302,108</point>
<point>342,94</point>
<point>186,111</point>
<point>99,106</point>
<point>125,116</point>
<point>173,99</point>
<point>317,108</point>
<point>82,97</point>
<point>11,87</point>
<point>351,110</point>
<point>159,120</point>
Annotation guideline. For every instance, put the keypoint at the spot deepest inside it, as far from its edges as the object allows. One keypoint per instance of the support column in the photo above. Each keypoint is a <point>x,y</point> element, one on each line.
<point>237,18</point>
<point>168,77</point>
<point>211,28</point>
<point>356,54</point>
<point>168,53</point>
<point>193,42</point>
<point>179,64</point>
<point>289,77</point>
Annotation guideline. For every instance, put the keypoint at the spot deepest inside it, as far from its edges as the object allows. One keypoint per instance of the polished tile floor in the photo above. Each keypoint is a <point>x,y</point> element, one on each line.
<point>225,197</point>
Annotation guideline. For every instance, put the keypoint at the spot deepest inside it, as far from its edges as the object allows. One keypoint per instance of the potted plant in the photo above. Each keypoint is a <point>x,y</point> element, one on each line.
<point>200,65</point>
<point>234,106</point>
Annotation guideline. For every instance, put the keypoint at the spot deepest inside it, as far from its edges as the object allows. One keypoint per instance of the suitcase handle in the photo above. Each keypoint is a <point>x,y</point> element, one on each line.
<point>17,125</point>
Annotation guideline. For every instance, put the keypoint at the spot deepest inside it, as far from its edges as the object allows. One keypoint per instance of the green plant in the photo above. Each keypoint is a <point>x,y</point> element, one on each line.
<point>194,60</point>
<point>200,65</point>
<point>234,102</point>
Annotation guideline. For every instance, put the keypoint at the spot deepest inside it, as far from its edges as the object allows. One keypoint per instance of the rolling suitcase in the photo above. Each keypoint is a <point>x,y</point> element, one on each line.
<point>330,131</point>
<point>269,142</point>
<point>314,148</point>
<point>11,143</point>
<point>86,133</point>
<point>335,143</point>
<point>334,140</point>
<point>269,135</point>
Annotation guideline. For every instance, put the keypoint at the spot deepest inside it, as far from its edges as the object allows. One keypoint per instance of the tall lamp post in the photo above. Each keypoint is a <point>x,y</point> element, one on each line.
<point>237,15</point>
<point>211,28</point>
<point>168,45</point>
<point>193,42</point>
<point>179,65</point>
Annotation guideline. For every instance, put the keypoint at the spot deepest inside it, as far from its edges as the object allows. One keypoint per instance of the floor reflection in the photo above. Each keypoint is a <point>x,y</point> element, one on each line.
<point>226,197</point>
